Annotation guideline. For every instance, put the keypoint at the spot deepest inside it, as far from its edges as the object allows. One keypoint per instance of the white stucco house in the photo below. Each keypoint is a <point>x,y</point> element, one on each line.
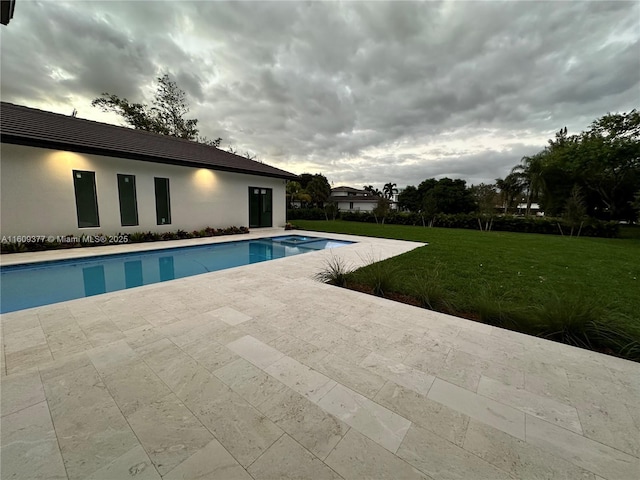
<point>63,175</point>
<point>353,200</point>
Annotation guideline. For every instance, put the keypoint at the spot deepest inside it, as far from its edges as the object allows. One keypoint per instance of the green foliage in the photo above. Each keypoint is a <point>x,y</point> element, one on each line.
<point>604,161</point>
<point>135,237</point>
<point>505,223</point>
<point>305,214</point>
<point>381,210</point>
<point>381,277</point>
<point>389,190</point>
<point>335,272</point>
<point>426,287</point>
<point>165,116</point>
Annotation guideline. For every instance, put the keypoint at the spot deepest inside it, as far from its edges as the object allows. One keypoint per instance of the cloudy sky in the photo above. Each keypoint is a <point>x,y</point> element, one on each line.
<point>363,92</point>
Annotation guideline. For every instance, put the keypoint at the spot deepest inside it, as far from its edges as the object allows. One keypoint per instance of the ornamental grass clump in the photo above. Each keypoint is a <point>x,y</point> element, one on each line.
<point>335,272</point>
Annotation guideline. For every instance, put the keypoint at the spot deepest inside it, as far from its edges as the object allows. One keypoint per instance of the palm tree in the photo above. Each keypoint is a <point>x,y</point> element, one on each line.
<point>373,191</point>
<point>510,188</point>
<point>531,171</point>
<point>389,189</point>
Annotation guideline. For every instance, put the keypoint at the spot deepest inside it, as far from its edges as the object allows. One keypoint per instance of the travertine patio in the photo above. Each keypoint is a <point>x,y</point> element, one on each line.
<point>262,372</point>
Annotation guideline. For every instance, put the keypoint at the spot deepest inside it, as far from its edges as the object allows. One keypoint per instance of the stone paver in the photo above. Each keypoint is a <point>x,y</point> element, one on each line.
<point>262,372</point>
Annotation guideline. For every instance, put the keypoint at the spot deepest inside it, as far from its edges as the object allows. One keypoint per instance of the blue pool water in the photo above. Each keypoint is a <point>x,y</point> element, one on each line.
<point>35,284</point>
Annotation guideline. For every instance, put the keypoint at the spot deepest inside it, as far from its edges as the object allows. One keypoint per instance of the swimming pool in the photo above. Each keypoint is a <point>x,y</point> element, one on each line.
<point>35,284</point>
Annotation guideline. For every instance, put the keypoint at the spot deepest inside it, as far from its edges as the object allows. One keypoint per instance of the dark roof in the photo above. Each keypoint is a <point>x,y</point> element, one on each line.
<point>36,128</point>
<point>347,189</point>
<point>355,198</point>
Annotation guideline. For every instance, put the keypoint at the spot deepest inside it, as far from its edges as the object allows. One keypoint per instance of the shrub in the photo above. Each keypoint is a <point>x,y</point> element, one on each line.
<point>306,214</point>
<point>380,276</point>
<point>427,289</point>
<point>335,272</point>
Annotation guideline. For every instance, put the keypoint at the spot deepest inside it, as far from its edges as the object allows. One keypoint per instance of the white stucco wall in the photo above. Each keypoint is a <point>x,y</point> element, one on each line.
<point>357,206</point>
<point>37,195</point>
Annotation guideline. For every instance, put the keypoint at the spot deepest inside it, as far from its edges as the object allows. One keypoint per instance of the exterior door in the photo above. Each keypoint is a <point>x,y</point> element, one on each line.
<point>260,207</point>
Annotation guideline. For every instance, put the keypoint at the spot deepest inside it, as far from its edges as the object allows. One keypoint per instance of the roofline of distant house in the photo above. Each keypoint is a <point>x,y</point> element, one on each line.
<point>52,144</point>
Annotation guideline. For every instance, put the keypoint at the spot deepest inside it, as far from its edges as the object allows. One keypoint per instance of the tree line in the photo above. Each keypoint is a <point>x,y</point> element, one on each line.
<point>592,174</point>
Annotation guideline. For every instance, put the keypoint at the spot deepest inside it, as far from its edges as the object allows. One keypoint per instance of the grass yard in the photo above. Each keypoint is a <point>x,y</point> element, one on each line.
<point>582,291</point>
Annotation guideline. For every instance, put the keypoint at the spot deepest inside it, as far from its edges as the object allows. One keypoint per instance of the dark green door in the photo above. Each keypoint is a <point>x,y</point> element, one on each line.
<point>260,207</point>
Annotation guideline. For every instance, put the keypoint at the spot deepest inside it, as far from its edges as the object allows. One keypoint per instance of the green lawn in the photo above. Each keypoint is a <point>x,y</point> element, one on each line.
<point>488,274</point>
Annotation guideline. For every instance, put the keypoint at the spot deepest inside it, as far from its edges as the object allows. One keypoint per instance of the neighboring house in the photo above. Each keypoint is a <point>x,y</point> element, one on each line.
<point>64,175</point>
<point>353,200</point>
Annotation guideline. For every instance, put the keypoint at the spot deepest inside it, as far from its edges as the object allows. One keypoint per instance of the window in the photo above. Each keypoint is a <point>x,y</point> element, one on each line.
<point>84,184</point>
<point>128,203</point>
<point>350,205</point>
<point>163,203</point>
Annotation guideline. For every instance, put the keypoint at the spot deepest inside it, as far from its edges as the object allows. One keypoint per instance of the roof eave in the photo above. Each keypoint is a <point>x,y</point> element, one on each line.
<point>53,145</point>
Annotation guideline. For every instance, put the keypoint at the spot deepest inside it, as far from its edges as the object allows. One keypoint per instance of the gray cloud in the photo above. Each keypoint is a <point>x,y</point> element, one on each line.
<point>364,92</point>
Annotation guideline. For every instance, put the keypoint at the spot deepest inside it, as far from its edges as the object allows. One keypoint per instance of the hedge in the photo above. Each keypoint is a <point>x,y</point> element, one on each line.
<point>97,240</point>
<point>504,223</point>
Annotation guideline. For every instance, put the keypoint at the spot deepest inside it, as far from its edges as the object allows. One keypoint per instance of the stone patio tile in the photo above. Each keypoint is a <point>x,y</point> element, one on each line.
<point>90,428</point>
<point>67,339</point>
<point>549,381</point>
<point>425,359</point>
<point>241,429</point>
<point>464,369</point>
<point>139,336</point>
<point>135,387</point>
<point>230,315</point>
<point>29,358</point>
<point>609,422</point>
<point>247,380</point>
<point>169,432</point>
<point>210,354</point>
<point>28,446</point>
<point>160,318</point>
<point>128,321</point>
<point>349,351</point>
<point>443,460</point>
<point>313,385</point>
<point>433,416</point>
<point>399,373</point>
<point>353,376</point>
<point>55,318</point>
<point>255,351</point>
<point>112,358</point>
<point>371,419</point>
<point>22,340</point>
<point>297,349</point>
<point>51,370</point>
<point>228,333</point>
<point>581,451</point>
<point>19,322</point>
<point>102,332</point>
<point>261,330</point>
<point>286,459</point>
<point>20,391</point>
<point>520,459</point>
<point>135,463</point>
<point>357,457</point>
<point>312,427</point>
<point>192,329</point>
<point>488,411</point>
<point>545,408</point>
<point>212,462</point>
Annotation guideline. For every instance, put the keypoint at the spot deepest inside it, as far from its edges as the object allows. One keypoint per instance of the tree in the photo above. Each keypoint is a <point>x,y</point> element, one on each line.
<point>165,116</point>
<point>575,210</point>
<point>319,189</point>
<point>510,189</point>
<point>389,190</point>
<point>409,199</point>
<point>381,210</point>
<point>485,197</point>
<point>531,171</point>
<point>373,191</point>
